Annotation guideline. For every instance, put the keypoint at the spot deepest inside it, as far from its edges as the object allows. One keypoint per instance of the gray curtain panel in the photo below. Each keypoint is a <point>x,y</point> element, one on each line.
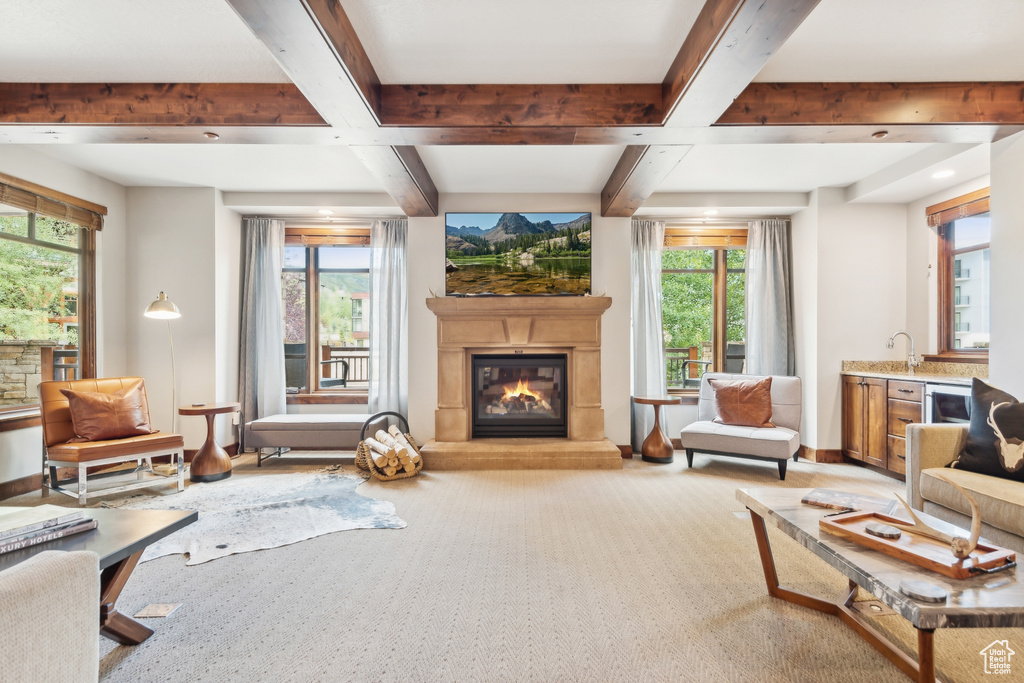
<point>389,316</point>
<point>769,299</point>
<point>261,346</point>
<point>648,341</point>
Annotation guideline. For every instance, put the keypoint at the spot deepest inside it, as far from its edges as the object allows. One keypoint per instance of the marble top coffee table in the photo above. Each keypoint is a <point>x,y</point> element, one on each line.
<point>986,601</point>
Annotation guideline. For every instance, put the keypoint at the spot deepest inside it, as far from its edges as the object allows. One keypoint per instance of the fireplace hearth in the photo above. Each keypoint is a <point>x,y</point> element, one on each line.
<point>519,395</point>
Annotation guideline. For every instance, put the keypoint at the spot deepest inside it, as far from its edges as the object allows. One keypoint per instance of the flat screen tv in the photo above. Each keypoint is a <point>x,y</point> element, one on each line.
<point>517,253</point>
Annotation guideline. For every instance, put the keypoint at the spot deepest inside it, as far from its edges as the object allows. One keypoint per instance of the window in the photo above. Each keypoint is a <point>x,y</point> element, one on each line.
<point>325,289</point>
<point>45,264</point>
<point>963,226</point>
<point>703,304</point>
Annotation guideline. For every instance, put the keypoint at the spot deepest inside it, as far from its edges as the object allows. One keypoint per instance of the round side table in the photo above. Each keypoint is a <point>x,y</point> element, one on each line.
<point>212,462</point>
<point>657,447</point>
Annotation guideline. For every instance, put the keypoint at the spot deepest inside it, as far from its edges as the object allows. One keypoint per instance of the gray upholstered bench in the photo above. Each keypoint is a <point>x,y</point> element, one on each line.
<point>317,431</point>
<point>777,443</point>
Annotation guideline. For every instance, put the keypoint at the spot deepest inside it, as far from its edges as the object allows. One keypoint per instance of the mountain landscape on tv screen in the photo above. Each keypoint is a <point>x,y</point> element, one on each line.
<point>515,253</point>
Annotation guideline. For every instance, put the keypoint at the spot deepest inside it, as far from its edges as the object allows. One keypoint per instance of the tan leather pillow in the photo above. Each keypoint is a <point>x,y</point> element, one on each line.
<point>745,403</point>
<point>97,416</point>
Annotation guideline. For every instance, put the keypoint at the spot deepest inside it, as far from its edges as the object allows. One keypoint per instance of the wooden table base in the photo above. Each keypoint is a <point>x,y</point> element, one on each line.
<point>114,625</point>
<point>922,670</point>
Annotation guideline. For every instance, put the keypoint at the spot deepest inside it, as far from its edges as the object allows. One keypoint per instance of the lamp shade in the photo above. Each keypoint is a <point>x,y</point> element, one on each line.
<point>162,308</point>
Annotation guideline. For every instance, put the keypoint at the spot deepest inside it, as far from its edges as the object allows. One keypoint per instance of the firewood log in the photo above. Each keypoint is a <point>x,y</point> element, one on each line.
<point>392,462</point>
<point>409,467</point>
<point>390,441</point>
<point>400,438</point>
<point>378,447</point>
<point>390,471</point>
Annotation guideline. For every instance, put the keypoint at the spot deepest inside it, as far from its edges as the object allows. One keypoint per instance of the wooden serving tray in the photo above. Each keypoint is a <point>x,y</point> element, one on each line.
<point>916,549</point>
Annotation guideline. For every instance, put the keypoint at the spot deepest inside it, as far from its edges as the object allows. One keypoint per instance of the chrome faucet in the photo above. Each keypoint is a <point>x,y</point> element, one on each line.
<point>912,361</point>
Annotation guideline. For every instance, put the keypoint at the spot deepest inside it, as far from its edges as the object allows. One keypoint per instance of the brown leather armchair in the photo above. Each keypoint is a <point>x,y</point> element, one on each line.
<point>61,450</point>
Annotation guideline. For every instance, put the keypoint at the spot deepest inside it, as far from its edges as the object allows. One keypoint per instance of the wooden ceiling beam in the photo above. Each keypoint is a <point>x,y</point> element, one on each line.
<point>403,175</point>
<point>621,104</point>
<point>877,104</point>
<point>727,46</point>
<point>639,171</point>
<point>156,104</point>
<point>314,42</point>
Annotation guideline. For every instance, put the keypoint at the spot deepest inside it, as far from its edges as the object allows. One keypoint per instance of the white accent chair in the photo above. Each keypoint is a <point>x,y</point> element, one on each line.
<point>50,628</point>
<point>778,443</point>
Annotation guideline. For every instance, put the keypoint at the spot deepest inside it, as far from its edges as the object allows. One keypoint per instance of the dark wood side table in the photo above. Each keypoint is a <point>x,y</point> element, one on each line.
<point>657,447</point>
<point>212,462</point>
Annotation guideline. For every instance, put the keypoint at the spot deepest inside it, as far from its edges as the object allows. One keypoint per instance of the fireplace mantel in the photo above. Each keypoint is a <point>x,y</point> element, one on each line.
<point>480,325</point>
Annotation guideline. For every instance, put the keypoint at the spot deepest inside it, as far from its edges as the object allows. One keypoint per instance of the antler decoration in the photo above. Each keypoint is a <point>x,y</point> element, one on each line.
<point>1011,451</point>
<point>960,546</point>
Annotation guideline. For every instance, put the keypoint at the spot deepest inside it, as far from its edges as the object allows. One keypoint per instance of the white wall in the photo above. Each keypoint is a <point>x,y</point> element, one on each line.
<point>853,256</point>
<point>172,242</point>
<point>804,248</point>
<point>1006,362</point>
<point>610,273</point>
<point>20,450</point>
<point>227,316</point>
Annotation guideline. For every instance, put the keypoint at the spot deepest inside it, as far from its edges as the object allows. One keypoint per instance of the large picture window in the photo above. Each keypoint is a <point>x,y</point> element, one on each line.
<point>703,303</point>
<point>326,288</point>
<point>44,332</point>
<point>963,228</point>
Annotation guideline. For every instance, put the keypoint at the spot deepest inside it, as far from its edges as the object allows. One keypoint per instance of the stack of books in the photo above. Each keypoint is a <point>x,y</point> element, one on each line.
<point>24,527</point>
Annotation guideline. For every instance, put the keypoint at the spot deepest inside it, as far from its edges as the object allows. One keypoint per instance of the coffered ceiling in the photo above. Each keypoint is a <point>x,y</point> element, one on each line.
<point>334,113</point>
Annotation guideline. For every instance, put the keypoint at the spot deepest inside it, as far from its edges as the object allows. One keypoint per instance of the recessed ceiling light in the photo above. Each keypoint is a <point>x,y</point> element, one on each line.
<point>211,136</point>
<point>325,212</point>
<point>711,212</point>
<point>942,174</point>
<point>880,134</point>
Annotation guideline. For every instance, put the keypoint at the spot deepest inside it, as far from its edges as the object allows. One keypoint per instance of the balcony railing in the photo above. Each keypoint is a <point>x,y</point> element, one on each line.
<point>358,359</point>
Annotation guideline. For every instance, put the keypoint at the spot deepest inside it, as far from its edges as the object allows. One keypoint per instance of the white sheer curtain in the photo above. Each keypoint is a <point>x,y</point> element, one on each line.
<point>645,311</point>
<point>768,299</point>
<point>389,315</point>
<point>261,346</point>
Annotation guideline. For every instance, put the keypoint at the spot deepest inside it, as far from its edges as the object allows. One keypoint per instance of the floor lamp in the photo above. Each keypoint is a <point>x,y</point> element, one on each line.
<point>164,309</point>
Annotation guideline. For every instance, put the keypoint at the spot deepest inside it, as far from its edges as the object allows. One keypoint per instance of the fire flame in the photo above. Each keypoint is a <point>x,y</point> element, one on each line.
<point>520,389</point>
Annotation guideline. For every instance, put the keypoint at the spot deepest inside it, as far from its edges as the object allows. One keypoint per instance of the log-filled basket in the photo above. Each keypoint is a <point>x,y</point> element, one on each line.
<point>388,455</point>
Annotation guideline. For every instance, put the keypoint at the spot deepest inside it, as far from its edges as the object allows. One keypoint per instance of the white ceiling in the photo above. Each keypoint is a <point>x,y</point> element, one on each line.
<point>485,41</point>
<point>526,41</point>
<point>130,41</point>
<point>253,168</point>
<point>780,168</point>
<point>519,168</point>
<point>909,40</point>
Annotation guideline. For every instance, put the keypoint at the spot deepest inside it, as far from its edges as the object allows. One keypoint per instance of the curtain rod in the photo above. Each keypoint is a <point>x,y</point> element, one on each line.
<point>676,220</point>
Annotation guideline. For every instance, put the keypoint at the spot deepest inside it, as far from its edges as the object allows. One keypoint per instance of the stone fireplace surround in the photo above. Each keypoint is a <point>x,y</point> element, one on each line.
<point>481,325</point>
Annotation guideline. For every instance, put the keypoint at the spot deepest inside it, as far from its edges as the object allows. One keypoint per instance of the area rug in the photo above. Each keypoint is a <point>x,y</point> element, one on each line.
<point>243,514</point>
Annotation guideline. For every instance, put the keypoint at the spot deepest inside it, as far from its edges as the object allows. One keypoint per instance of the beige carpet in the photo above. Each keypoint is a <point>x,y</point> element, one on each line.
<point>645,574</point>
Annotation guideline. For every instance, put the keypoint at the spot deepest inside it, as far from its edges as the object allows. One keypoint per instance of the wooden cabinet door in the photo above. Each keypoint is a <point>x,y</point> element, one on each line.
<point>876,420</point>
<point>853,417</point>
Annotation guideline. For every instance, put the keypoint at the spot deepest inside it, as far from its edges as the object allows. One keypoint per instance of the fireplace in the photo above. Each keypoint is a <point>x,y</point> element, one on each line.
<point>519,395</point>
<point>567,432</point>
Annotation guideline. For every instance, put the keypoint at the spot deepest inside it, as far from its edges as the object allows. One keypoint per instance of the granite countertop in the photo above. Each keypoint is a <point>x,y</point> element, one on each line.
<point>940,373</point>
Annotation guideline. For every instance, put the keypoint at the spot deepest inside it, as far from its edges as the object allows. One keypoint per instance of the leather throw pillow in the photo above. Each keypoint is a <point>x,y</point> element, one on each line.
<point>995,438</point>
<point>97,416</point>
<point>746,403</point>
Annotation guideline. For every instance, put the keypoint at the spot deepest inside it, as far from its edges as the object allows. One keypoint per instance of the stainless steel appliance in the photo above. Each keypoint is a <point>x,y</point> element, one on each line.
<point>947,403</point>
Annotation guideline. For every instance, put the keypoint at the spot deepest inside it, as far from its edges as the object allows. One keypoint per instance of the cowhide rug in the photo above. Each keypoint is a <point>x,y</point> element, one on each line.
<point>238,515</point>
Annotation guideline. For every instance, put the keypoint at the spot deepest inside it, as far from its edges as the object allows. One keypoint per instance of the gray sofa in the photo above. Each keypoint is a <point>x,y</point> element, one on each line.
<point>766,443</point>
<point>930,447</point>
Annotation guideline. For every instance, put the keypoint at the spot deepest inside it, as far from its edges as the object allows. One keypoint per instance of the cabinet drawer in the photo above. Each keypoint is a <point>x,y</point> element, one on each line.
<point>906,391</point>
<point>897,454</point>
<point>902,413</point>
